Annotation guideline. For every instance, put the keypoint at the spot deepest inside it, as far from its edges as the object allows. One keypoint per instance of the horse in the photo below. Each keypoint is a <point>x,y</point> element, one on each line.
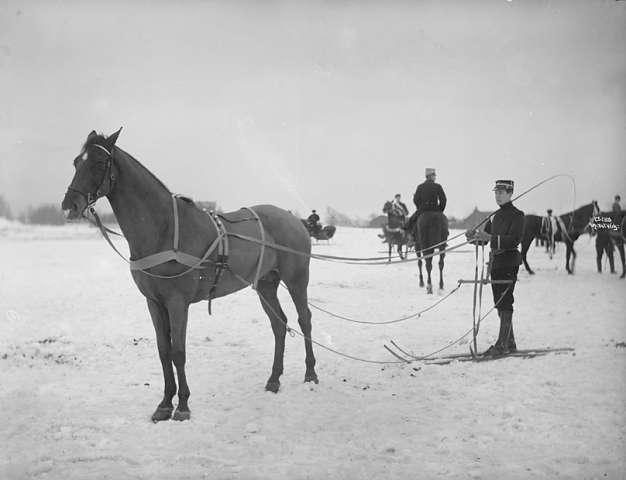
<point>569,227</point>
<point>324,233</point>
<point>150,216</point>
<point>394,232</point>
<point>431,228</point>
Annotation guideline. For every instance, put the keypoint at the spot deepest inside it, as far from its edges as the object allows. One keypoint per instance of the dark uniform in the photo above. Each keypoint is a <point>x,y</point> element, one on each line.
<point>313,218</point>
<point>506,228</point>
<point>429,197</point>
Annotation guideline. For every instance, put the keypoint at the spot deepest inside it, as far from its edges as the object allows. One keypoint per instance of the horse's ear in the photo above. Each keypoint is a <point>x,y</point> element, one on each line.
<point>91,135</point>
<point>111,139</point>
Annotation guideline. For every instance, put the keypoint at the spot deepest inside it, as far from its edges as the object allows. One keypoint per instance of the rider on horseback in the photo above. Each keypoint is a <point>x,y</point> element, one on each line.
<point>398,208</point>
<point>429,197</point>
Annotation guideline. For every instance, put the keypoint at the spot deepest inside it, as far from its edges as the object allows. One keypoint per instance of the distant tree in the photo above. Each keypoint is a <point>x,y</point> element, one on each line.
<point>5,209</point>
<point>46,214</point>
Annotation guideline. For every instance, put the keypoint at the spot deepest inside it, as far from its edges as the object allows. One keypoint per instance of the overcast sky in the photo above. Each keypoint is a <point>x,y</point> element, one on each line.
<point>309,104</point>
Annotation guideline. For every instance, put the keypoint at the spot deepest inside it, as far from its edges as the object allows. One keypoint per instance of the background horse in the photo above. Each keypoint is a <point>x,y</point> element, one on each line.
<point>394,231</point>
<point>145,208</point>
<point>431,228</point>
<point>324,233</point>
<point>569,227</point>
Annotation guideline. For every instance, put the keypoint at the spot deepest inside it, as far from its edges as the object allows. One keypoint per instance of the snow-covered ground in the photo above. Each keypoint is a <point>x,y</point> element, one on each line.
<point>80,374</point>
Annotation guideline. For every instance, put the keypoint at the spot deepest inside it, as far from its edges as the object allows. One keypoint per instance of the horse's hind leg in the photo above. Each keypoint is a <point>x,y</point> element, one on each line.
<point>298,292</point>
<point>442,255</point>
<point>419,266</point>
<point>429,267</point>
<point>161,323</point>
<point>266,290</point>
<point>620,249</point>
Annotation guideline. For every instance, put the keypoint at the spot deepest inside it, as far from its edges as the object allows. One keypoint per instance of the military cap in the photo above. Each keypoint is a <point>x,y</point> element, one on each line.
<point>504,185</point>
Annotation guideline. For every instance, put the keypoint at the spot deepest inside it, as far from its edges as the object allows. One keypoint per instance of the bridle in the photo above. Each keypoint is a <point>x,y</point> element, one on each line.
<point>108,179</point>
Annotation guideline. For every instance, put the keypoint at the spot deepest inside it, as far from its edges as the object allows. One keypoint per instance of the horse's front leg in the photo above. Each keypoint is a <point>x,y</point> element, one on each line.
<point>178,310</point>
<point>160,320</point>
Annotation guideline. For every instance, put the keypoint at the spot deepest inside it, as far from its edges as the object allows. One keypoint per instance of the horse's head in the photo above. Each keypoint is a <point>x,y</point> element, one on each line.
<point>94,176</point>
<point>596,209</point>
<point>387,207</point>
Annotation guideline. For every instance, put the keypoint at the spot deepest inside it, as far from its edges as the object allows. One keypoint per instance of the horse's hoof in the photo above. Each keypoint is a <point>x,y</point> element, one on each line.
<point>272,386</point>
<point>162,413</point>
<point>421,284</point>
<point>530,272</point>
<point>180,416</point>
<point>429,289</point>
<point>311,377</point>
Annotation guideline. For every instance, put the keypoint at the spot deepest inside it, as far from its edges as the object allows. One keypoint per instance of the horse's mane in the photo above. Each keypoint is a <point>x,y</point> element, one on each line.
<point>100,138</point>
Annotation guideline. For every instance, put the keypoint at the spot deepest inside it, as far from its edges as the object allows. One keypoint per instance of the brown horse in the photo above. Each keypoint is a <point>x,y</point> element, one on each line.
<point>152,220</point>
<point>430,232</point>
<point>570,226</point>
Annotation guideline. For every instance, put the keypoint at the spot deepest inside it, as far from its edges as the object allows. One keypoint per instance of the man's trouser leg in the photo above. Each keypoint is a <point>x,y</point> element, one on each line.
<point>503,300</point>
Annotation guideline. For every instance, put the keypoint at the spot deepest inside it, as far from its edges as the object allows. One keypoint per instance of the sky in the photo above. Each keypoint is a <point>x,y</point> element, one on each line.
<point>312,104</point>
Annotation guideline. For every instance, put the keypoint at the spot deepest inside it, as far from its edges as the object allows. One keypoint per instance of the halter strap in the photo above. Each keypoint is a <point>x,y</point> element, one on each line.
<point>101,148</point>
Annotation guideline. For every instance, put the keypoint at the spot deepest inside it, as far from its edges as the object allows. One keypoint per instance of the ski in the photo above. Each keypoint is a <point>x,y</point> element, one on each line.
<point>467,357</point>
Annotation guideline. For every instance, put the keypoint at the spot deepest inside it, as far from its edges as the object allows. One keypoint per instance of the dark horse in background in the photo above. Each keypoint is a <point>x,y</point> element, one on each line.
<point>318,232</point>
<point>609,230</point>
<point>430,229</point>
<point>569,227</point>
<point>145,208</point>
<point>394,232</point>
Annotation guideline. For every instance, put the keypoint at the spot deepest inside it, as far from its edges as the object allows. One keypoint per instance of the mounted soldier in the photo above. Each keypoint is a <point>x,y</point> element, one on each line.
<point>393,231</point>
<point>398,208</point>
<point>429,197</point>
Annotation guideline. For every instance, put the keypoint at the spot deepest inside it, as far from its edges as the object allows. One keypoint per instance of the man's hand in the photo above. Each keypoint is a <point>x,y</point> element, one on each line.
<point>477,237</point>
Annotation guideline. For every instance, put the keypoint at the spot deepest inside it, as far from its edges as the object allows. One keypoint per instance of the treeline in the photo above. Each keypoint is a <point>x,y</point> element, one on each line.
<point>43,214</point>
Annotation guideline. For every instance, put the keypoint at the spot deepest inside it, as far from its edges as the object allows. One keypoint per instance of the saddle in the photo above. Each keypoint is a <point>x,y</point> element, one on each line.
<point>241,215</point>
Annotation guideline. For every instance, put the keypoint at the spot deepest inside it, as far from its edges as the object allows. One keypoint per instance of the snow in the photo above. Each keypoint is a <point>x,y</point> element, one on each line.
<point>81,376</point>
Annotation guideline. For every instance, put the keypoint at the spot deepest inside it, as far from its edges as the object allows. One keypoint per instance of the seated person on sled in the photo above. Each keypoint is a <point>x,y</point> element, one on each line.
<point>504,233</point>
<point>313,222</point>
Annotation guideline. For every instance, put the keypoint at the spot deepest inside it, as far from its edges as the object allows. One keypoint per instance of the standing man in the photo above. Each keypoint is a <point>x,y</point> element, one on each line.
<point>616,205</point>
<point>504,233</point>
<point>551,230</point>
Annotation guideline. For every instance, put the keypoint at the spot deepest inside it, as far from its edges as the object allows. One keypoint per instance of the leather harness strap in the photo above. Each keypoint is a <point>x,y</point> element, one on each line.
<point>262,253</point>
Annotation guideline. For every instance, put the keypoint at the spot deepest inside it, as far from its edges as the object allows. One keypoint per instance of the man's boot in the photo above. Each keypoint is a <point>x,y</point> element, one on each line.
<point>506,327</point>
<point>500,347</point>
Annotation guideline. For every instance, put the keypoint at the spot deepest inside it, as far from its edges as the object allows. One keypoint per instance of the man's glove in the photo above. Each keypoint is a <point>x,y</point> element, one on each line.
<point>477,237</point>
